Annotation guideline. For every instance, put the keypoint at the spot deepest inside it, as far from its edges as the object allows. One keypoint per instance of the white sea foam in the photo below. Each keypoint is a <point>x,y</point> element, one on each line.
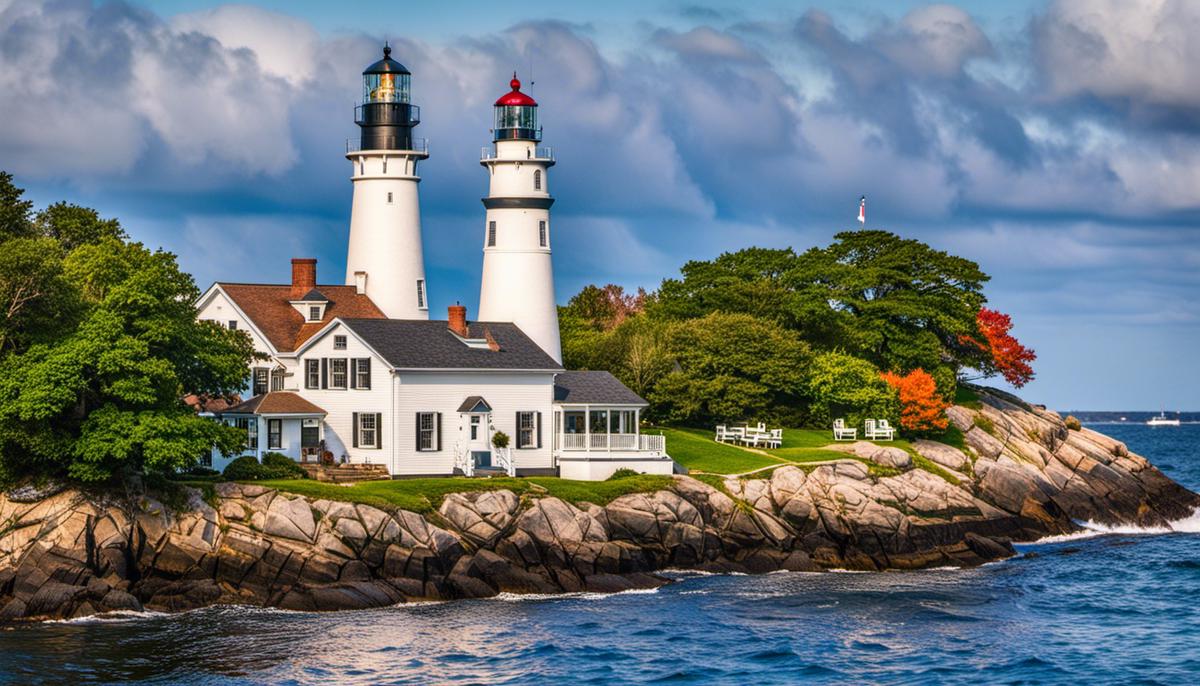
<point>577,595</point>
<point>1189,524</point>
<point>113,617</point>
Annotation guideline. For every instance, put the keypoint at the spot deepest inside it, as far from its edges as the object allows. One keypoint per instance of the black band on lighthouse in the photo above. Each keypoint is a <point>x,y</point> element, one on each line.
<point>518,203</point>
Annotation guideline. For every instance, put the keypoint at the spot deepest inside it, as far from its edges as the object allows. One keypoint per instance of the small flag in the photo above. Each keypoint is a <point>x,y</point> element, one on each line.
<point>862,210</point>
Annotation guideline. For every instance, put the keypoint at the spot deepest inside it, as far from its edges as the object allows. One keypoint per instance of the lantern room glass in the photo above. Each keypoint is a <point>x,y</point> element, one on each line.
<point>389,87</point>
<point>516,117</point>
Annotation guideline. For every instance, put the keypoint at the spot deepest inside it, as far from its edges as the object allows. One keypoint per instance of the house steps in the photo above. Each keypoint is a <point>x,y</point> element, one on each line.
<point>346,473</point>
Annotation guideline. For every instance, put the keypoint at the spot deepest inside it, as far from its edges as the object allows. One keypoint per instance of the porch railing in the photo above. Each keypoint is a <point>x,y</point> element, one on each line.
<point>503,459</point>
<point>614,442</point>
<point>463,460</point>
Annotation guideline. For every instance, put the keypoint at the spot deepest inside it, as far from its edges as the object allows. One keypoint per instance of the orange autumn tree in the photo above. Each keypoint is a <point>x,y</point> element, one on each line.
<point>922,409</point>
<point>1001,352</point>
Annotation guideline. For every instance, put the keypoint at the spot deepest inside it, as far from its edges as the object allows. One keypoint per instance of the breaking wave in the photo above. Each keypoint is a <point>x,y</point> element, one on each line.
<point>1090,529</point>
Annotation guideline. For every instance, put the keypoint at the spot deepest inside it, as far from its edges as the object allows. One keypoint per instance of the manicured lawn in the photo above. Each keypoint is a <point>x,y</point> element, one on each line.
<point>696,449</point>
<point>426,495</point>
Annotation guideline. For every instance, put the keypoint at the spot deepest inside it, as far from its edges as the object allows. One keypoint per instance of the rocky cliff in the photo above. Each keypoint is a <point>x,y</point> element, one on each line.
<point>1023,475</point>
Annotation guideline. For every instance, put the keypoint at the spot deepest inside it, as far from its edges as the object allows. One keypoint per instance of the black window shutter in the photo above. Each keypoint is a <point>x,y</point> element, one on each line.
<point>439,431</point>
<point>351,369</point>
<point>378,430</point>
<point>418,430</point>
<point>355,429</point>
<point>257,433</point>
<point>539,429</point>
<point>324,372</point>
<point>365,363</point>
<point>517,432</point>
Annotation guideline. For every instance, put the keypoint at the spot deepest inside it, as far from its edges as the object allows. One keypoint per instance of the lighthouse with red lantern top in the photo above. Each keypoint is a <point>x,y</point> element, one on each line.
<point>518,279</point>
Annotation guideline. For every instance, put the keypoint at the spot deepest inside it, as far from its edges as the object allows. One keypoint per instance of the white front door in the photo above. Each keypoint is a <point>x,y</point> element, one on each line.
<point>479,439</point>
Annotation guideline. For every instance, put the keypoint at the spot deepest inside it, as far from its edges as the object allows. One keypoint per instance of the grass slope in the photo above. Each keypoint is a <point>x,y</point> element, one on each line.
<point>696,449</point>
<point>426,495</point>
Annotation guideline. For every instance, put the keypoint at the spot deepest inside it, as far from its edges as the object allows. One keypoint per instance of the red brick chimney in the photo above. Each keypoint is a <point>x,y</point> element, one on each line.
<point>457,314</point>
<point>304,276</point>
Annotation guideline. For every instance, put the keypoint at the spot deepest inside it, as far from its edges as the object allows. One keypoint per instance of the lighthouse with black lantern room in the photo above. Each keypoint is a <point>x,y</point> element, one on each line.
<point>518,279</point>
<point>385,260</point>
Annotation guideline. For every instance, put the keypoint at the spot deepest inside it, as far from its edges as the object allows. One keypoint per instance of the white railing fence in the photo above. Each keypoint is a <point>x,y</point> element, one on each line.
<point>614,442</point>
<point>654,444</point>
<point>503,458</point>
<point>463,460</point>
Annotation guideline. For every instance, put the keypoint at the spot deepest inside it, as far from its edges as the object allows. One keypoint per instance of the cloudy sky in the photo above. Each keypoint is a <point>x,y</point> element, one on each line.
<point>1055,143</point>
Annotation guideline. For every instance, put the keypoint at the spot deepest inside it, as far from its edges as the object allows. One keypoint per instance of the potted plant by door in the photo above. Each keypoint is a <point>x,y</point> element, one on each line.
<point>500,440</point>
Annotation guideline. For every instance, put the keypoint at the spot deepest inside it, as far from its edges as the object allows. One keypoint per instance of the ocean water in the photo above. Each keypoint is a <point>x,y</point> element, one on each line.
<point>1106,607</point>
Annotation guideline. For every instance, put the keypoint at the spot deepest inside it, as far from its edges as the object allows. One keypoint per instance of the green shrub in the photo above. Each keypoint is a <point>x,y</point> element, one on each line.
<point>967,397</point>
<point>622,473</point>
<point>842,385</point>
<point>244,468</point>
<point>274,466</point>
<point>281,467</point>
<point>1073,423</point>
<point>500,439</point>
<point>986,424</point>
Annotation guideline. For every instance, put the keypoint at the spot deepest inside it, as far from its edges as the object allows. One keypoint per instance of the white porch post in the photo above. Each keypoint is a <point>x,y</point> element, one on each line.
<point>587,427</point>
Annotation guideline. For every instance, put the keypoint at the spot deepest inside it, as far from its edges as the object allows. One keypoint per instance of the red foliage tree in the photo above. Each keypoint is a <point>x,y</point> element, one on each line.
<point>1003,354</point>
<point>922,408</point>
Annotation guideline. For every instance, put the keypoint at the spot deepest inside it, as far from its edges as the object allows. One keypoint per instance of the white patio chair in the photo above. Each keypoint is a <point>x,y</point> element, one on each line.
<point>776,439</point>
<point>884,431</point>
<point>738,434</point>
<point>841,432</point>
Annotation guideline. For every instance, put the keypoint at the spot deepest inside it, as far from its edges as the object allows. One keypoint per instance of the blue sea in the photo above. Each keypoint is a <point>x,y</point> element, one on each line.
<point>1104,608</point>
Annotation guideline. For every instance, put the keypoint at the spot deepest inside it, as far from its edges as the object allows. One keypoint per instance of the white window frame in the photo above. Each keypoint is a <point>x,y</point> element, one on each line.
<point>314,313</point>
<point>389,195</point>
<point>429,432</point>
<point>537,179</point>
<point>542,233</point>
<point>312,374</point>
<point>339,342</point>
<point>363,430</point>
<point>362,373</point>
<point>491,234</point>
<point>333,373</point>
<point>266,382</point>
<point>233,325</point>
<point>420,294</point>
<point>532,429</point>
<point>250,424</point>
<point>278,444</point>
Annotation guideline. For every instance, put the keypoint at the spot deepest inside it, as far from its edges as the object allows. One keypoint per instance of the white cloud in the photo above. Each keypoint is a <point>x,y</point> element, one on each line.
<point>1137,50</point>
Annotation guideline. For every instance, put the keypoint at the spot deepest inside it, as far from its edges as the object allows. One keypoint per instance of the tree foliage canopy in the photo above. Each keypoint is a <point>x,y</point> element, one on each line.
<point>870,302</point>
<point>98,345</point>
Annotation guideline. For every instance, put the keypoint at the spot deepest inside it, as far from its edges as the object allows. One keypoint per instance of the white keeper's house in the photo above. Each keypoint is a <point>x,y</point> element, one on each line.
<point>359,373</point>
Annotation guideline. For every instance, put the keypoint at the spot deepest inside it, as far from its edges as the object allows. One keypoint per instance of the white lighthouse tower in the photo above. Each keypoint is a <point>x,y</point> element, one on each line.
<point>384,258</point>
<point>518,280</point>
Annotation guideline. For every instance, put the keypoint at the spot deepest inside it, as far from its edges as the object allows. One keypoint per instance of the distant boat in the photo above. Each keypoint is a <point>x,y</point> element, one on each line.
<point>1162,420</point>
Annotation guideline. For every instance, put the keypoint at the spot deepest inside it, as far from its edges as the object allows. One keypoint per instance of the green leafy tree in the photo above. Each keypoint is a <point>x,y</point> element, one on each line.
<point>900,304</point>
<point>730,366</point>
<point>750,281</point>
<point>97,392</point>
<point>15,212</point>
<point>839,385</point>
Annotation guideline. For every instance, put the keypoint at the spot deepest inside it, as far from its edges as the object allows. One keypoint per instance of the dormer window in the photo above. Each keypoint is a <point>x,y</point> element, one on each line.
<point>314,313</point>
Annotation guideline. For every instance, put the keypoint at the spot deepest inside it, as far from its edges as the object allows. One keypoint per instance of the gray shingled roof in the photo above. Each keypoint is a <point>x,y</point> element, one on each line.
<point>593,387</point>
<point>416,344</point>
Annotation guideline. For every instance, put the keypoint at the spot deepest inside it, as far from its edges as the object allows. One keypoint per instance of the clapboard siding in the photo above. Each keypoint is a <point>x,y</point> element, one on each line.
<point>340,405</point>
<point>444,392</point>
